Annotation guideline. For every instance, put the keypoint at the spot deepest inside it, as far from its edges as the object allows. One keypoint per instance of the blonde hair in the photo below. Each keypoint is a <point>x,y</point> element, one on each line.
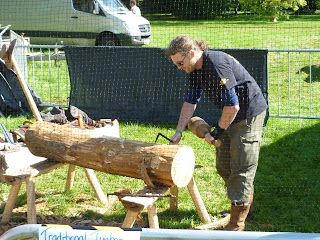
<point>183,44</point>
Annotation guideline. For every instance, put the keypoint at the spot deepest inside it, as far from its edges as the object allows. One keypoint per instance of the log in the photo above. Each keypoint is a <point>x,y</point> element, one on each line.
<point>216,225</point>
<point>167,164</point>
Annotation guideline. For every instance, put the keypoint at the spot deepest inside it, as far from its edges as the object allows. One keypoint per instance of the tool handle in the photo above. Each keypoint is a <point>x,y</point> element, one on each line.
<point>26,91</point>
<point>216,143</point>
<point>160,134</point>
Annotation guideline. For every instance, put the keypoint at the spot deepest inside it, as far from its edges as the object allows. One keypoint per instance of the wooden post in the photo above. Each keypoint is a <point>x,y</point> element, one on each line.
<point>130,219</point>
<point>196,197</point>
<point>7,55</point>
<point>174,199</point>
<point>10,203</point>
<point>70,177</point>
<point>31,201</point>
<point>153,217</point>
<point>95,185</point>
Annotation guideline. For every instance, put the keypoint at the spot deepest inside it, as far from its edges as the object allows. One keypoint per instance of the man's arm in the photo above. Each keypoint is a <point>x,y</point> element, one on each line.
<point>186,113</point>
<point>228,115</point>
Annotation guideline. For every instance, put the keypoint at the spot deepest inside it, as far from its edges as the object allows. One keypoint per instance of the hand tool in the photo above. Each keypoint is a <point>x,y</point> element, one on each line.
<point>200,128</point>
<point>160,134</point>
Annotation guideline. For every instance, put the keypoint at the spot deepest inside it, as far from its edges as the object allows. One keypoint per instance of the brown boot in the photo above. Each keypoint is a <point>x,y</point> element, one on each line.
<point>251,211</point>
<point>238,217</point>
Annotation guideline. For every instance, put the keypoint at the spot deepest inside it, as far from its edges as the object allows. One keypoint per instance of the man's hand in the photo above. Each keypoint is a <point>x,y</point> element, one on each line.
<point>209,139</point>
<point>175,139</point>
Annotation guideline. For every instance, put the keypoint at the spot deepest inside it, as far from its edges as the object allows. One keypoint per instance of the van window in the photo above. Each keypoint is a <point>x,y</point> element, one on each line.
<point>114,5</point>
<point>84,5</point>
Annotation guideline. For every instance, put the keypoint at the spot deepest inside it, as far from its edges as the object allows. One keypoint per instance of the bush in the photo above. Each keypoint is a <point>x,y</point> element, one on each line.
<point>189,9</point>
<point>272,8</point>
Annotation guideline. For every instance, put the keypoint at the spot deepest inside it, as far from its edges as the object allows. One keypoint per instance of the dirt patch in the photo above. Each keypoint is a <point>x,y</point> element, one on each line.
<point>84,203</point>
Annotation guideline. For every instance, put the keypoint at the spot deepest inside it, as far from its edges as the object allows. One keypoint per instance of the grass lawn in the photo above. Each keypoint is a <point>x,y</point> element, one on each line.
<point>286,199</point>
<point>287,189</point>
<point>299,32</point>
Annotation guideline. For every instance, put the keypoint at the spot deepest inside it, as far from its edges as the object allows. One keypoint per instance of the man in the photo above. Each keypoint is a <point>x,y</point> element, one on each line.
<point>134,8</point>
<point>232,89</point>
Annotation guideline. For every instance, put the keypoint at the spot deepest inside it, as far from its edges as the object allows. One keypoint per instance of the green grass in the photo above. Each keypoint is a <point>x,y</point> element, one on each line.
<point>242,32</point>
<point>52,86</point>
<point>294,83</point>
<point>256,32</point>
<point>286,182</point>
<point>287,189</point>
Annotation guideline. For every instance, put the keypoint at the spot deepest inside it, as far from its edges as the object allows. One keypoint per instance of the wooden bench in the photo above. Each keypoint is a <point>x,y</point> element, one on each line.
<point>135,205</point>
<point>18,165</point>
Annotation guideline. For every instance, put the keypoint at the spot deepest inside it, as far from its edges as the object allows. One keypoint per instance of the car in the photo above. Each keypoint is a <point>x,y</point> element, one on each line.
<point>76,22</point>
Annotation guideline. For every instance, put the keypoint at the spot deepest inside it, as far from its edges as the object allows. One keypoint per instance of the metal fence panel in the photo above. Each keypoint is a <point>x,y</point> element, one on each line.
<point>292,75</point>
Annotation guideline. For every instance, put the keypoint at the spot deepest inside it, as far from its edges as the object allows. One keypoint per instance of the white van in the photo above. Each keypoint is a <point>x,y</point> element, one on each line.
<point>75,22</point>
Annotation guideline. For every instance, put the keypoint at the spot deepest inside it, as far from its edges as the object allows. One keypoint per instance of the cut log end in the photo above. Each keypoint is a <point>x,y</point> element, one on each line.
<point>183,166</point>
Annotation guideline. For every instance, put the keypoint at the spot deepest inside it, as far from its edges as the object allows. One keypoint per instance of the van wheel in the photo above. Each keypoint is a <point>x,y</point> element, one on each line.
<point>107,39</point>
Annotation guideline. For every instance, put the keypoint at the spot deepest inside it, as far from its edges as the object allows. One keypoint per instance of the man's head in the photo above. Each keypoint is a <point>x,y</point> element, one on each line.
<point>186,52</point>
<point>133,3</point>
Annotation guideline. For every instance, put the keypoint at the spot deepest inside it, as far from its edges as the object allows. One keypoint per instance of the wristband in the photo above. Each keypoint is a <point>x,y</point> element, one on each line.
<point>217,132</point>
<point>178,131</point>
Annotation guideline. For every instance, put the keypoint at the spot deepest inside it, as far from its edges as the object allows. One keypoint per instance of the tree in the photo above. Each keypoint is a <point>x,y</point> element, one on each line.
<point>310,8</point>
<point>272,8</point>
<point>189,9</point>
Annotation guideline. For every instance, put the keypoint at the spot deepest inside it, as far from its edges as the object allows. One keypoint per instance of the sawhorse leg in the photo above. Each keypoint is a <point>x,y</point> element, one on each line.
<point>153,217</point>
<point>70,177</point>
<point>174,198</point>
<point>92,179</point>
<point>196,198</point>
<point>31,202</point>
<point>95,185</point>
<point>132,216</point>
<point>13,195</point>
<point>130,219</point>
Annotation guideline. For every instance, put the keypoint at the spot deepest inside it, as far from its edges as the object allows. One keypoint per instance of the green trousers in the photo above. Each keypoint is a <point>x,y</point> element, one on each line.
<point>237,157</point>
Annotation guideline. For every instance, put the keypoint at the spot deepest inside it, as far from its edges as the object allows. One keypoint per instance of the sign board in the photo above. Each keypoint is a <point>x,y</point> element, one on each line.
<point>56,233</point>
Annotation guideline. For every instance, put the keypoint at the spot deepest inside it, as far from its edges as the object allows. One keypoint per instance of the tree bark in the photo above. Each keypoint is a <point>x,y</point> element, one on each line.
<point>167,164</point>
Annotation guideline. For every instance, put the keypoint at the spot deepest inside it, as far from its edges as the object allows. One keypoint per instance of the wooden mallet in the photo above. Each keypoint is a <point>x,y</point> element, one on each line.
<point>7,56</point>
<point>200,128</point>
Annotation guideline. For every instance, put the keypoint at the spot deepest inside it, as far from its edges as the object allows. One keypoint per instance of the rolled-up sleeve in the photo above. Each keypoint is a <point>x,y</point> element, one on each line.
<point>193,96</point>
<point>229,97</point>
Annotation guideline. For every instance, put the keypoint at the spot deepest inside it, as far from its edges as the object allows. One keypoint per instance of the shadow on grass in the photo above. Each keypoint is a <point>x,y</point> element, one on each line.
<point>315,71</point>
<point>179,219</point>
<point>287,184</point>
